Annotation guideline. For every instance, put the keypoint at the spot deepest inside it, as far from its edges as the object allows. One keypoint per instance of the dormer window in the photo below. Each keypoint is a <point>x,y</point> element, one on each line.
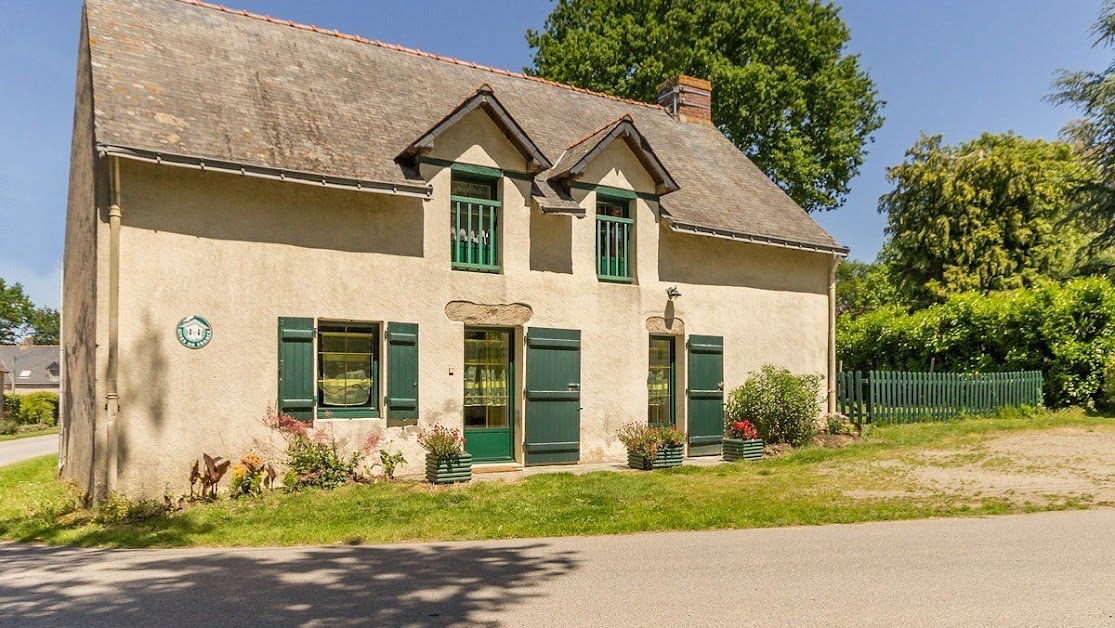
<point>474,222</point>
<point>613,238</point>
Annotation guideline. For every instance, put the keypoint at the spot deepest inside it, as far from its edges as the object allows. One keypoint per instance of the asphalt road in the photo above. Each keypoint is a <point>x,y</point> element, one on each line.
<point>1052,569</point>
<point>23,448</point>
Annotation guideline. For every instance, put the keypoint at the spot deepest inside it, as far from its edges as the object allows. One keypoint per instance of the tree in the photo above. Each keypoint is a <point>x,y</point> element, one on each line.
<point>863,287</point>
<point>1094,133</point>
<point>44,322</point>
<point>785,90</point>
<point>984,215</point>
<point>15,312</point>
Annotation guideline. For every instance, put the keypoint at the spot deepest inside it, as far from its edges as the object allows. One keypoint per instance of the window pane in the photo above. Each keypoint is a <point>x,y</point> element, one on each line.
<point>660,383</point>
<point>486,378</point>
<point>347,362</point>
<point>473,189</point>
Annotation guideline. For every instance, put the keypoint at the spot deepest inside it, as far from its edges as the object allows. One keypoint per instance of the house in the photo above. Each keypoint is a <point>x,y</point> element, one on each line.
<point>377,239</point>
<point>27,368</point>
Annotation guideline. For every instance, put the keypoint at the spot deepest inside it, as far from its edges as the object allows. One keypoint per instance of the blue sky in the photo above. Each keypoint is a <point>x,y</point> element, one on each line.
<point>957,67</point>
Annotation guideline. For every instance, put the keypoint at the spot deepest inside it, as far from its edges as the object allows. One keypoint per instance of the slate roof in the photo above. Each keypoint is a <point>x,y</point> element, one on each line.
<point>16,359</point>
<point>182,78</point>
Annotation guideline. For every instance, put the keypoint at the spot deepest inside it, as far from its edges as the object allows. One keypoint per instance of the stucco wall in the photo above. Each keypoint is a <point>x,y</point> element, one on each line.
<point>79,328</point>
<point>243,252</point>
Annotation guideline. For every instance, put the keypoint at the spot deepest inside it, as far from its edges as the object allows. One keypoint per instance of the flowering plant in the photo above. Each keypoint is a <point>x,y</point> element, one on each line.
<point>644,440</point>
<point>442,442</point>
<point>744,430</point>
<point>839,424</point>
<point>315,458</point>
<point>247,477</point>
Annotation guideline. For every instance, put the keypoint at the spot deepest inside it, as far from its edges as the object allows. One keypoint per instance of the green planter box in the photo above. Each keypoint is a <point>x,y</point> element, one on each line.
<point>739,449</point>
<point>667,457</point>
<point>448,470</point>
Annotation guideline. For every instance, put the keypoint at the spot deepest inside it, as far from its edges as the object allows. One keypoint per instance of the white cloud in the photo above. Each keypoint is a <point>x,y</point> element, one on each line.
<point>43,287</point>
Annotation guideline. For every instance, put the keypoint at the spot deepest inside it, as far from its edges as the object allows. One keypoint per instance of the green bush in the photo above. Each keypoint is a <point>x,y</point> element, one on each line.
<point>12,405</point>
<point>1066,331</point>
<point>783,406</point>
<point>8,427</point>
<point>1109,383</point>
<point>40,408</point>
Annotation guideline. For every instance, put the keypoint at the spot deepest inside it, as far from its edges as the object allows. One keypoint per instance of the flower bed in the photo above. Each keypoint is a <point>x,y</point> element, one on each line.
<point>652,447</point>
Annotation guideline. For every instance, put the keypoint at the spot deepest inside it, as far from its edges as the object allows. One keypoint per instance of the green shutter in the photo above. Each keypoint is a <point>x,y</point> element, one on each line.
<point>402,374</point>
<point>296,367</point>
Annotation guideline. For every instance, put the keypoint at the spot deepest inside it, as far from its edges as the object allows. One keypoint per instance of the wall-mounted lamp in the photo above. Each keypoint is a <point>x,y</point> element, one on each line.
<point>672,292</point>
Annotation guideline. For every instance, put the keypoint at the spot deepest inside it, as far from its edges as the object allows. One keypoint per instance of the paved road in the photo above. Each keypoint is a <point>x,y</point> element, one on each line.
<point>24,448</point>
<point>1053,569</point>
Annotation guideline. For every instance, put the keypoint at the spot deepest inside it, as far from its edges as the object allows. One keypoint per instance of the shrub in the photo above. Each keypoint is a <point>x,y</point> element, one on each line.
<point>8,427</point>
<point>1066,331</point>
<point>390,461</point>
<point>40,408</point>
<point>838,424</point>
<point>314,457</point>
<point>442,442</point>
<point>644,440</point>
<point>783,406</point>
<point>12,405</point>
<point>1109,382</point>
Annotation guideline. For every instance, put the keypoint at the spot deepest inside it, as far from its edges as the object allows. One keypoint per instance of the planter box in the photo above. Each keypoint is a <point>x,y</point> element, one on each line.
<point>667,457</point>
<point>739,449</point>
<point>448,470</point>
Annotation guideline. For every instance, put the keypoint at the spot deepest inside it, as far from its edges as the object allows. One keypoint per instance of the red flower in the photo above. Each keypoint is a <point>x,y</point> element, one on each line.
<point>743,429</point>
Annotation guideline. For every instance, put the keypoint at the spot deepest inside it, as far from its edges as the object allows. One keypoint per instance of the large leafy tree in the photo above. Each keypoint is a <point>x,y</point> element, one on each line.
<point>863,287</point>
<point>45,323</point>
<point>984,215</point>
<point>785,89</point>
<point>15,312</point>
<point>1093,94</point>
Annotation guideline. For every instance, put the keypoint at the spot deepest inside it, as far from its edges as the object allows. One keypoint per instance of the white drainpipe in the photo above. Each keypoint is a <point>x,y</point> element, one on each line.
<point>112,398</point>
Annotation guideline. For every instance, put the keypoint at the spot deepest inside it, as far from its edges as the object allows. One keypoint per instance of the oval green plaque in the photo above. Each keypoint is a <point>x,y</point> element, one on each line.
<point>194,332</point>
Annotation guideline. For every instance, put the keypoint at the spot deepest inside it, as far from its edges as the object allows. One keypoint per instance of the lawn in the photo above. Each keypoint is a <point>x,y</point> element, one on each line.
<point>874,479</point>
<point>46,432</point>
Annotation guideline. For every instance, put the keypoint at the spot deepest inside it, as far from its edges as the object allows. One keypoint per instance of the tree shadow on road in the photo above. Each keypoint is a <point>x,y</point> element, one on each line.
<point>376,586</point>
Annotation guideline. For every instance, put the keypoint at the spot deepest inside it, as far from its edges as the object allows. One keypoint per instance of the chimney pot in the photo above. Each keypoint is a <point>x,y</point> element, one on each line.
<point>687,98</point>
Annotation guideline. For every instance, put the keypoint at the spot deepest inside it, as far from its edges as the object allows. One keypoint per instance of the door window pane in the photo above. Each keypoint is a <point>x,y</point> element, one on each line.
<point>347,365</point>
<point>487,387</point>
<point>660,382</point>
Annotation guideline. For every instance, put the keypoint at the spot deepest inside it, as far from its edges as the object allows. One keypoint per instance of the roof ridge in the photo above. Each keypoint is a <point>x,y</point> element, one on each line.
<point>610,123</point>
<point>414,51</point>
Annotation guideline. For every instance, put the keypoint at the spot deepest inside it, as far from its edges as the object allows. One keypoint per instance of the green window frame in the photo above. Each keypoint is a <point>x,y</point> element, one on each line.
<point>614,229</point>
<point>661,378</point>
<point>474,221</point>
<point>348,370</point>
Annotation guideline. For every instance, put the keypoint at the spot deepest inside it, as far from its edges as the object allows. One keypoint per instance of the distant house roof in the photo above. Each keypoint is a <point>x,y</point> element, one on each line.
<point>178,80</point>
<point>33,366</point>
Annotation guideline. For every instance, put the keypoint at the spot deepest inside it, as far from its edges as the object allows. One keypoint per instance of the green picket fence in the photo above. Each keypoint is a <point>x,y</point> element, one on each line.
<point>882,397</point>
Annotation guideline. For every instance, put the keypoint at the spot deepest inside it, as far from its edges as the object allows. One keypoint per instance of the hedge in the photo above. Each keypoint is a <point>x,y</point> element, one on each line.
<point>32,408</point>
<point>1067,331</point>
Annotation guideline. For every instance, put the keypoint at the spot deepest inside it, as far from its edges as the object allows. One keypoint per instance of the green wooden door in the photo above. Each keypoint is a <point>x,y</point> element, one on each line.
<point>553,396</point>
<point>706,395</point>
<point>489,378</point>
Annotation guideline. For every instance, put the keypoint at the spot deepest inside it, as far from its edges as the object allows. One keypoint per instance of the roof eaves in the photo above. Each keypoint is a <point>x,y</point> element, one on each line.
<point>423,190</point>
<point>752,238</point>
<point>483,98</point>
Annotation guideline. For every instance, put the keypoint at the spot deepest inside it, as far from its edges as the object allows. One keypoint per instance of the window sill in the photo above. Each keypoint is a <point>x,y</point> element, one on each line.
<point>476,268</point>
<point>326,414</point>
<point>610,279</point>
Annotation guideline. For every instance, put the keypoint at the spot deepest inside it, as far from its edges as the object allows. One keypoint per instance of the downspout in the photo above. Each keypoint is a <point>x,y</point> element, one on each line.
<point>112,398</point>
<point>831,396</point>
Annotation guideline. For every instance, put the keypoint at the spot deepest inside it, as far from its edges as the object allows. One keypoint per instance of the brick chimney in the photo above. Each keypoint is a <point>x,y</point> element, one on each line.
<point>687,98</point>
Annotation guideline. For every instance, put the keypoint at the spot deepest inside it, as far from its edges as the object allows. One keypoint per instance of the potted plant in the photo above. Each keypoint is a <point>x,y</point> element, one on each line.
<point>652,447</point>
<point>446,460</point>
<point>742,442</point>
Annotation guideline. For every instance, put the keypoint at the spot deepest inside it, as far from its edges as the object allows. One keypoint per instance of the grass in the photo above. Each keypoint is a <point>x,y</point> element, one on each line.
<point>807,487</point>
<point>46,432</point>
